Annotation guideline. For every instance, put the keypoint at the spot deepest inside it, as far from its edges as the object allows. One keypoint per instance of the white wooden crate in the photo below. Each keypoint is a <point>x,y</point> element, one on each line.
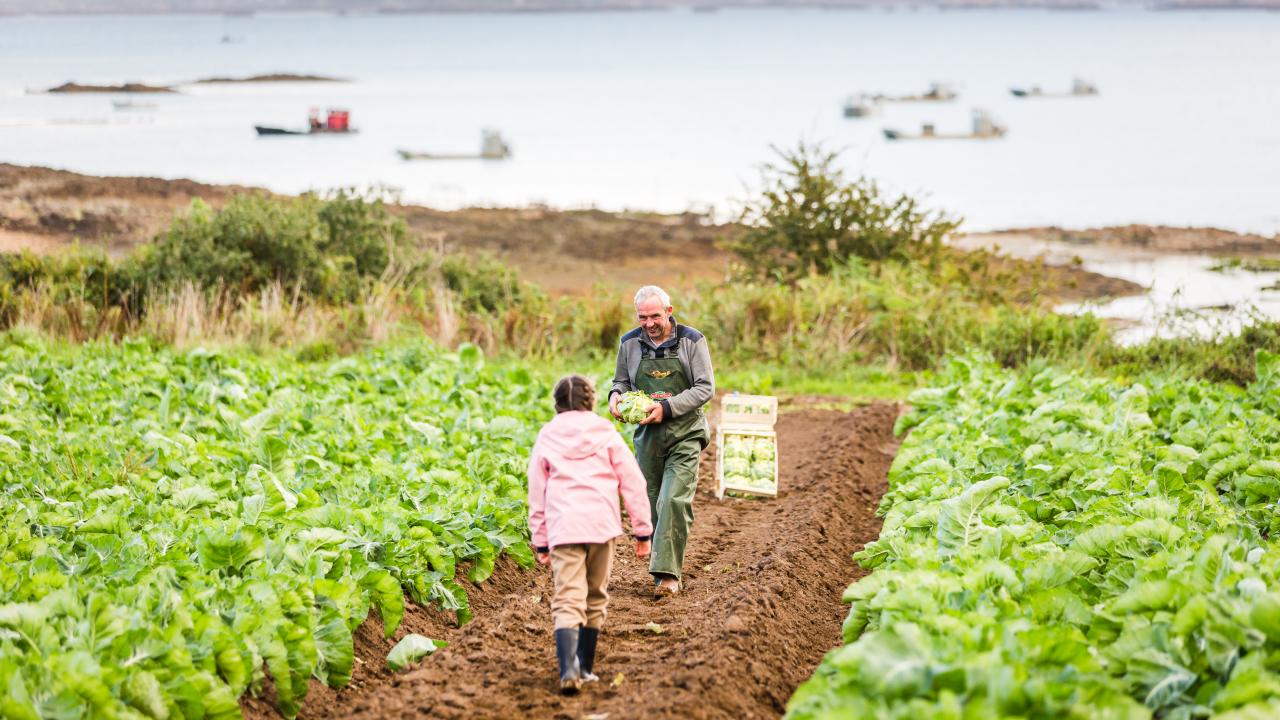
<point>749,416</point>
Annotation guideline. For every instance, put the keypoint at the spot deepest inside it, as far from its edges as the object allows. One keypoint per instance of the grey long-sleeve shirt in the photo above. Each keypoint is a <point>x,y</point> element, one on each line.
<point>690,347</point>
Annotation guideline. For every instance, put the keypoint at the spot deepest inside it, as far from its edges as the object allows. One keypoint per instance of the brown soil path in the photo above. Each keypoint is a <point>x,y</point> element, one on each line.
<point>761,608</point>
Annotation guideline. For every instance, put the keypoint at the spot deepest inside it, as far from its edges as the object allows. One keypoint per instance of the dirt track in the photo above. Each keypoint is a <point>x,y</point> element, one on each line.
<point>762,606</point>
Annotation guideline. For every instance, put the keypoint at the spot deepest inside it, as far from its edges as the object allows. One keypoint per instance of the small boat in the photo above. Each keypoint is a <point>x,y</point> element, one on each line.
<point>125,105</point>
<point>492,147</point>
<point>269,130</point>
<point>336,122</point>
<point>1079,88</point>
<point>858,106</point>
<point>937,92</point>
<point>984,128</point>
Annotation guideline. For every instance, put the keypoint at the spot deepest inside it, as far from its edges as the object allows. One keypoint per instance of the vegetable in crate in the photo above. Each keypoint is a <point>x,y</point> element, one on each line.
<point>635,406</point>
<point>762,470</point>
<point>736,466</point>
<point>763,449</point>
<point>737,446</point>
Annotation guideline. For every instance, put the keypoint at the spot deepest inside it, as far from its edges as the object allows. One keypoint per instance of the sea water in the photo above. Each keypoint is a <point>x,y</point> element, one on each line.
<point>675,110</point>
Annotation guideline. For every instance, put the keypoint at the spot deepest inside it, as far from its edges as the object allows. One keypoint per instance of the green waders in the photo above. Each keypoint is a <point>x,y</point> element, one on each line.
<point>668,454</point>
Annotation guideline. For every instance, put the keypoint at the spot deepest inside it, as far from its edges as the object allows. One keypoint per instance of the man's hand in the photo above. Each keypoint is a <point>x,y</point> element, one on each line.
<point>543,558</point>
<point>614,399</point>
<point>654,417</point>
<point>642,549</point>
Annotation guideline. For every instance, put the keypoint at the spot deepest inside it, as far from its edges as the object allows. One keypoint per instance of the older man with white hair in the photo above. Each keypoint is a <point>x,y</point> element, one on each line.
<point>671,363</point>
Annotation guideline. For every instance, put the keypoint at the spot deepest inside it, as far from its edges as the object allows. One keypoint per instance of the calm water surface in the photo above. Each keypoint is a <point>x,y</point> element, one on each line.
<point>676,110</point>
<point>1185,293</point>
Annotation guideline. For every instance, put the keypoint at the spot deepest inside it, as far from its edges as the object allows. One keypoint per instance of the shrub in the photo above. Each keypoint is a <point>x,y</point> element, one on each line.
<point>322,248</point>
<point>810,220</point>
<point>484,283</point>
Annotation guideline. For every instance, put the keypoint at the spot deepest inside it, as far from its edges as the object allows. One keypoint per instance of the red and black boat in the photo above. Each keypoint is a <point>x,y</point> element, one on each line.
<point>335,122</point>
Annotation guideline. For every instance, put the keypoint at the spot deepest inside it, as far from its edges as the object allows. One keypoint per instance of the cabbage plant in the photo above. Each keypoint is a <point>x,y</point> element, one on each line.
<point>1060,545</point>
<point>173,523</point>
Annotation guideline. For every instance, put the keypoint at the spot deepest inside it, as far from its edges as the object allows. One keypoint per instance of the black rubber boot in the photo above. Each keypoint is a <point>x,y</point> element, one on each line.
<point>587,638</point>
<point>567,655</point>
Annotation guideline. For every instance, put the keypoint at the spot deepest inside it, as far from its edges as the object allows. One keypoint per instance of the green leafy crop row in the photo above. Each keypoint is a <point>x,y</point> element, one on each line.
<point>1063,546</point>
<point>170,523</point>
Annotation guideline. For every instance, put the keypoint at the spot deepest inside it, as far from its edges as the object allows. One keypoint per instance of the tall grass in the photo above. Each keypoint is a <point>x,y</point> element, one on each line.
<point>894,312</point>
<point>1224,357</point>
<point>894,315</point>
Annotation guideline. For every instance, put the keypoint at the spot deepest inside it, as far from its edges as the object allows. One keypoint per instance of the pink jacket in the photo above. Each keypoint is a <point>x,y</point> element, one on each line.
<point>578,466</point>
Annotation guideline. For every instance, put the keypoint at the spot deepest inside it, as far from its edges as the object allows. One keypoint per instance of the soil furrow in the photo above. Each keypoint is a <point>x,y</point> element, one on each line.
<point>761,606</point>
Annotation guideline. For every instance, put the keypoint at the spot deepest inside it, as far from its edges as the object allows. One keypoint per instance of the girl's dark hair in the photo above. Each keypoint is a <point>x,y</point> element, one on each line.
<point>574,392</point>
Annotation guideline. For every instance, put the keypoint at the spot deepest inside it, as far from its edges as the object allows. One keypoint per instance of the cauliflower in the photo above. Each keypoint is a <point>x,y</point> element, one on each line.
<point>763,449</point>
<point>737,446</point>
<point>635,406</point>
<point>762,470</point>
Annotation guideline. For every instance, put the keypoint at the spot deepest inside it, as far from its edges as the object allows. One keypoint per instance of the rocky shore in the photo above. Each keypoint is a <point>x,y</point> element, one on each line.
<point>71,87</point>
<point>270,77</point>
<point>1153,238</point>
<point>130,87</point>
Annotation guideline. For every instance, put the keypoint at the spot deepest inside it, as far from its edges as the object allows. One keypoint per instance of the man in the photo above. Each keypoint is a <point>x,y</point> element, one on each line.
<point>671,363</point>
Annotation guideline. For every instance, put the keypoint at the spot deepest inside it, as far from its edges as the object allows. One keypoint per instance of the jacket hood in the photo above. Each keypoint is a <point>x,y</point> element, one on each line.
<point>577,434</point>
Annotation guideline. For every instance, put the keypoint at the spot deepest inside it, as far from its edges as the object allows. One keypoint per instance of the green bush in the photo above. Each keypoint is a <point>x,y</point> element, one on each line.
<point>810,220</point>
<point>484,283</point>
<point>324,248</point>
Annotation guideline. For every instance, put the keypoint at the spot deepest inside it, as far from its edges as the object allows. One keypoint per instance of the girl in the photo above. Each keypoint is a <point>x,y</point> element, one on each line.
<point>578,466</point>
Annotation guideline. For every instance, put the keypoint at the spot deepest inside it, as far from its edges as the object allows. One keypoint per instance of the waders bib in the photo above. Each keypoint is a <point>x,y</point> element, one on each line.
<point>668,454</point>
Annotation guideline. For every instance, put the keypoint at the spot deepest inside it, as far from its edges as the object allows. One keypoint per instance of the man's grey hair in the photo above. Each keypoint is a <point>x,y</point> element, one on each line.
<point>653,291</point>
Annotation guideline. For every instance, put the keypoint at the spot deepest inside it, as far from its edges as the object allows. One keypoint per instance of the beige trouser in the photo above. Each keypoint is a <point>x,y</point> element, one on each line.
<point>581,577</point>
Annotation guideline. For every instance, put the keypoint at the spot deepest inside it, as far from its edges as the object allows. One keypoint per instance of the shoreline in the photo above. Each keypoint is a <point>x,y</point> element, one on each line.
<point>132,87</point>
<point>277,77</point>
<point>71,87</point>
<point>1135,239</point>
<point>565,251</point>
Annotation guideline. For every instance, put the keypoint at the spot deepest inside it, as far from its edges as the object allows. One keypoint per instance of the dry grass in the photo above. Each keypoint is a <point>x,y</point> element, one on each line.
<point>187,317</point>
<point>73,318</point>
<point>901,316</point>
